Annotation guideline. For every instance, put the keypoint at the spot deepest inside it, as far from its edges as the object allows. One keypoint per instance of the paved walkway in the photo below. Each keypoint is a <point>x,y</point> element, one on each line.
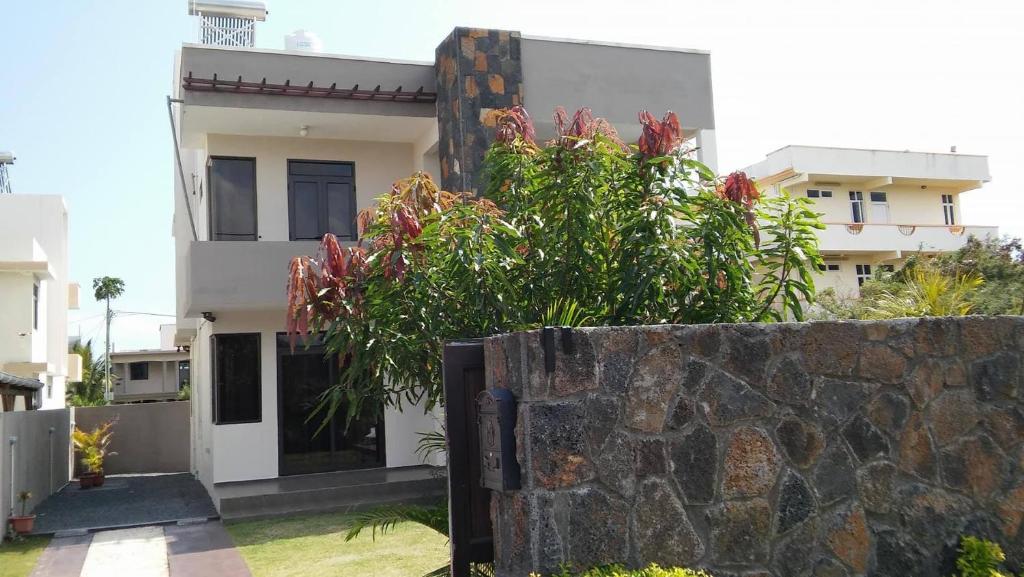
<point>197,550</point>
<point>125,501</point>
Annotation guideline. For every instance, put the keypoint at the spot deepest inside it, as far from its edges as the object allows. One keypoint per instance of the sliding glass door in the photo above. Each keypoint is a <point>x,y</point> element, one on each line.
<point>307,445</point>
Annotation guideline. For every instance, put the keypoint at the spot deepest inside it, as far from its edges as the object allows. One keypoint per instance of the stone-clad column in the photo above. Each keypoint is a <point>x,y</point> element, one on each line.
<point>477,70</point>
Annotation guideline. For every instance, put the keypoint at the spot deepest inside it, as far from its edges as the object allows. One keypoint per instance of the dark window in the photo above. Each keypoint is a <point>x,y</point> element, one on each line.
<point>236,378</point>
<point>826,194</point>
<point>863,273</point>
<point>833,267</point>
<point>878,197</point>
<point>811,193</point>
<point>887,267</point>
<point>138,371</point>
<point>828,267</point>
<point>822,268</point>
<point>857,205</point>
<point>947,209</point>
<point>35,306</point>
<point>183,374</point>
<point>321,200</point>
<point>232,198</point>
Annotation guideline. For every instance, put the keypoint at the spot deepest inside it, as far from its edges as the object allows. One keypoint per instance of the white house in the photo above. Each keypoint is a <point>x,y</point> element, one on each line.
<point>279,147</point>
<point>878,206</point>
<point>35,295</point>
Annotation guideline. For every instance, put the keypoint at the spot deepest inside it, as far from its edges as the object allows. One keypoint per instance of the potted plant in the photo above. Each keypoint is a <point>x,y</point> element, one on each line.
<point>94,447</point>
<point>23,524</point>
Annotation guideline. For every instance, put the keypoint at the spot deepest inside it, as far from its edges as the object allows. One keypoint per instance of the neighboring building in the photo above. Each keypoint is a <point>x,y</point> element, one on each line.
<point>878,206</point>
<point>35,295</point>
<point>148,375</point>
<point>151,374</point>
<point>280,147</point>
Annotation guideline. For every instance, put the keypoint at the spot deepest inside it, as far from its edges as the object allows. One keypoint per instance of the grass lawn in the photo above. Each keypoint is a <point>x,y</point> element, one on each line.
<point>18,558</point>
<point>315,545</point>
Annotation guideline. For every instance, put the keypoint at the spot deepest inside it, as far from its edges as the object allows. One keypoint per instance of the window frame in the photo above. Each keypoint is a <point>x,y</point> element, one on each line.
<point>948,210</point>
<point>857,206</point>
<point>819,193</point>
<point>135,365</point>
<point>215,405</point>
<point>35,305</point>
<point>323,227</point>
<point>863,273</point>
<point>213,197</point>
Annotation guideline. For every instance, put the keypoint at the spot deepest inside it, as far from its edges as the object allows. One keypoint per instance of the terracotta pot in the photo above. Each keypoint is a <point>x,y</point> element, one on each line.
<point>23,525</point>
<point>99,479</point>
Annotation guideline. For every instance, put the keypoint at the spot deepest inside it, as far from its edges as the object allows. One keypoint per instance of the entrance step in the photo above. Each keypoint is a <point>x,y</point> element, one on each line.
<point>321,492</point>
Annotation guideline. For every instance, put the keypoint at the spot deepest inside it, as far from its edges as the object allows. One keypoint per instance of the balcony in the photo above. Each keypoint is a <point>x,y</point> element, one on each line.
<point>868,237</point>
<point>239,275</point>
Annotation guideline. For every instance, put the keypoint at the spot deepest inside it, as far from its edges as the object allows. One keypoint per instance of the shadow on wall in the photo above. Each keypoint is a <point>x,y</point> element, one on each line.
<point>832,448</point>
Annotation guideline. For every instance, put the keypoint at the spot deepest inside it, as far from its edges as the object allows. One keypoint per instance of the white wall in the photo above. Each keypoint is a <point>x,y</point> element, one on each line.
<point>247,451</point>
<point>907,205</point>
<point>377,166</point>
<point>42,219</point>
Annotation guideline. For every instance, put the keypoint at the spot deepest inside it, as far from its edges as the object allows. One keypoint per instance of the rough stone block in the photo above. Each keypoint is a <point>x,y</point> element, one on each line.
<point>557,441</point>
<point>652,387</point>
<point>795,503</point>
<point>726,400</point>
<point>751,464</point>
<point>790,383</point>
<point>695,464</point>
<point>846,533</point>
<point>952,414</point>
<point>865,440</point>
<point>801,441</point>
<point>876,484</point>
<point>975,466</point>
<point>997,378</point>
<point>834,474</point>
<point>663,531</point>
<point>598,528</point>
<point>917,451</point>
<point>740,531</point>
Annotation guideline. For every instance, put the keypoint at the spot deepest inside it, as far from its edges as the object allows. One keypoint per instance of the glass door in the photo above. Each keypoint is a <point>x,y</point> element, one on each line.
<point>306,443</point>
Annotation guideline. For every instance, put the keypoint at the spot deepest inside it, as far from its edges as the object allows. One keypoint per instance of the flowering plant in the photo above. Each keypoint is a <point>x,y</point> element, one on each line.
<point>584,228</point>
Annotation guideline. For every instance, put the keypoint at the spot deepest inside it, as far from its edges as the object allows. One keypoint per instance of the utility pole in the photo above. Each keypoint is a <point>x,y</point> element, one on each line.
<point>108,392</point>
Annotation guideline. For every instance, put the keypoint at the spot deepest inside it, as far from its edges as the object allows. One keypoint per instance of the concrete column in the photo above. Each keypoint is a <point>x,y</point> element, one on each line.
<point>707,148</point>
<point>163,376</point>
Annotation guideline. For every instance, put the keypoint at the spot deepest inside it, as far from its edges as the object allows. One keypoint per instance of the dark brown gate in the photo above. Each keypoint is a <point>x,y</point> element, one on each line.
<point>469,504</point>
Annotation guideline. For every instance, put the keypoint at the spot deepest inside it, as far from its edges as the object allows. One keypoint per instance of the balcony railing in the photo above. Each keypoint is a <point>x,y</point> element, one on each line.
<point>866,236</point>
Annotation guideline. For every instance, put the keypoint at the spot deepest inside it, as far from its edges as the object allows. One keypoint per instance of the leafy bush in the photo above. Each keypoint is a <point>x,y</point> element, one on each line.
<point>583,228</point>
<point>619,571</point>
<point>94,446</point>
<point>980,558</point>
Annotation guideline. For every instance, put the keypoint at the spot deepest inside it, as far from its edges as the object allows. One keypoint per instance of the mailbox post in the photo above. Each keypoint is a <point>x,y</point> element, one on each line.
<point>496,412</point>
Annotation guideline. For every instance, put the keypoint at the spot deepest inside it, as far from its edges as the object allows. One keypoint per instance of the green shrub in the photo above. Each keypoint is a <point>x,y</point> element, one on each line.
<point>980,558</point>
<point>652,570</point>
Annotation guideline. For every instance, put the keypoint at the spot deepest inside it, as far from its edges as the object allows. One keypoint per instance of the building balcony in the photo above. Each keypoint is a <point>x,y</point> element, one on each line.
<point>229,276</point>
<point>870,237</point>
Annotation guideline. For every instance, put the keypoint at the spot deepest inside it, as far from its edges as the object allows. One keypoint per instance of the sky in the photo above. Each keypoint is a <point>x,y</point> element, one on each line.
<point>83,86</point>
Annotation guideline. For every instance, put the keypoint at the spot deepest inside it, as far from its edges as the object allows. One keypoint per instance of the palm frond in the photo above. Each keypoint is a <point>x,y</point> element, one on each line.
<point>387,517</point>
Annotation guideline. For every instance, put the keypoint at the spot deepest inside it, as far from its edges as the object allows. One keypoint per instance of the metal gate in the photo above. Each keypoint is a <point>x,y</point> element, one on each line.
<point>469,503</point>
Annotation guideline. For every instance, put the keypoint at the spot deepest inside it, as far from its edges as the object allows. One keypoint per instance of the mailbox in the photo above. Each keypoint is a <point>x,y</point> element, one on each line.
<point>496,417</point>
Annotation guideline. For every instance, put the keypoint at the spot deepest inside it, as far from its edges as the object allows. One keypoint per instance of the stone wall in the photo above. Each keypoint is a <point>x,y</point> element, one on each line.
<point>826,449</point>
<point>478,70</point>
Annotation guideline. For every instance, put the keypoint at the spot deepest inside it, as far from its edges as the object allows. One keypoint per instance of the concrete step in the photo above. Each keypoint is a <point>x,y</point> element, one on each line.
<point>328,492</point>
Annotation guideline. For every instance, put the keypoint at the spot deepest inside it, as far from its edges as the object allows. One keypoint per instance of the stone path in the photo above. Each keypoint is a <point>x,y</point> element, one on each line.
<point>196,550</point>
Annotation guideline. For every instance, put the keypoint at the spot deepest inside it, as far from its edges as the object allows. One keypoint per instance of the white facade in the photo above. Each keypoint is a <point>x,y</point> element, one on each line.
<point>878,206</point>
<point>35,294</point>
<point>241,284</point>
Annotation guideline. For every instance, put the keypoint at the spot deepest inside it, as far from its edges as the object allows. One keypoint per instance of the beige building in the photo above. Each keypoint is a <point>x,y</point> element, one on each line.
<point>278,148</point>
<point>35,295</point>
<point>878,206</point>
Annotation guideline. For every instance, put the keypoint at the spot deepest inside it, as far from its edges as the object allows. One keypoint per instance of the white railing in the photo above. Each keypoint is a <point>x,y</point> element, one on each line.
<point>227,31</point>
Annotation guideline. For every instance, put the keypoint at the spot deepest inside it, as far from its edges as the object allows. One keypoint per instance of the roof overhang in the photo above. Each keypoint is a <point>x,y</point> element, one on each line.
<point>15,382</point>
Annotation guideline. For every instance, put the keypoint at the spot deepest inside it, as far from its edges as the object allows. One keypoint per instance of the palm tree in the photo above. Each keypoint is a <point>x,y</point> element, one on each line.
<point>106,288</point>
<point>928,292</point>
<point>89,391</point>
